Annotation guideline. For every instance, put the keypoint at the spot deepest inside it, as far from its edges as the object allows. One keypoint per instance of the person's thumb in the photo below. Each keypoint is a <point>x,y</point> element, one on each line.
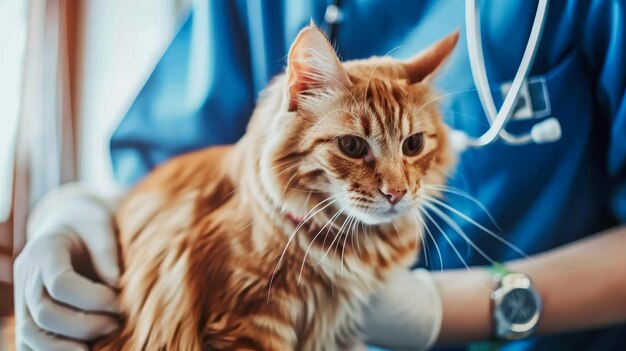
<point>97,231</point>
<point>102,246</point>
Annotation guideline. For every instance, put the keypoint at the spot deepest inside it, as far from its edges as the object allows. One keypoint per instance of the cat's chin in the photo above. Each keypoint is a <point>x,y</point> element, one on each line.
<point>382,217</point>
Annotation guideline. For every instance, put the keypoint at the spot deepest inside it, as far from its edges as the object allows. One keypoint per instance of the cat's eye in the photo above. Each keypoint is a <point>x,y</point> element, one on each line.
<point>352,146</point>
<point>413,145</point>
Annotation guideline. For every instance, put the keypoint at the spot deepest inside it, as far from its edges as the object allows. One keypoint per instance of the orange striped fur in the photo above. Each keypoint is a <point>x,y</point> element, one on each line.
<point>214,257</point>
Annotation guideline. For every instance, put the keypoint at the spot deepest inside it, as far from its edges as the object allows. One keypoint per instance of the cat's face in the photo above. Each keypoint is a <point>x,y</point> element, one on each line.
<point>365,135</point>
<point>373,147</point>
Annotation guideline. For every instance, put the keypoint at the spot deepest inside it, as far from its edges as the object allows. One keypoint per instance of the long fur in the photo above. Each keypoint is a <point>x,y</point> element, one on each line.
<point>263,245</point>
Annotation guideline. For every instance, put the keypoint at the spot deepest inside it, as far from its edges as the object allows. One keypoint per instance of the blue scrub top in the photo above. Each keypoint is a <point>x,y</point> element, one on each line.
<point>203,90</point>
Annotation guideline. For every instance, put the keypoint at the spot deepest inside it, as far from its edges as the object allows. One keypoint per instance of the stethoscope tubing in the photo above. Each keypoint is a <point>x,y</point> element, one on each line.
<point>499,118</point>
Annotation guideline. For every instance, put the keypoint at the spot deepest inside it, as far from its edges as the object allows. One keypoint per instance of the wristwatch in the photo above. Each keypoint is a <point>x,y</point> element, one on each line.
<point>516,305</point>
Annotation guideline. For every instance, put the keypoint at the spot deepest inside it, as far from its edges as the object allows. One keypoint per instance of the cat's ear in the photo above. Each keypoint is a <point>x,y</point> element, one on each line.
<point>313,64</point>
<point>423,65</point>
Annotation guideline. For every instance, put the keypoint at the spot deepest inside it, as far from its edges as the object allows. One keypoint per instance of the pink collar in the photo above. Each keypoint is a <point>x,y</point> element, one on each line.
<point>296,220</point>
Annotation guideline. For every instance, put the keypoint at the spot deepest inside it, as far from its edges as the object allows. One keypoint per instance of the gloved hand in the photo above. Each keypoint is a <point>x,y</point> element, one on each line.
<point>406,314</point>
<point>65,274</point>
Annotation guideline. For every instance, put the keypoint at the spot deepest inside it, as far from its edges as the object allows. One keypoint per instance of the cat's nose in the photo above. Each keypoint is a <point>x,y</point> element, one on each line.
<point>393,195</point>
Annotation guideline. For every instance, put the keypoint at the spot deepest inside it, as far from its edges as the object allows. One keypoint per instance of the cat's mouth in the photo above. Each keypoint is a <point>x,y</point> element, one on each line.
<point>381,215</point>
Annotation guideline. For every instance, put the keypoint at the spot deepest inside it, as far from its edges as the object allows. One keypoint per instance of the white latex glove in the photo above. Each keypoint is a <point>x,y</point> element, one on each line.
<point>407,314</point>
<point>64,275</point>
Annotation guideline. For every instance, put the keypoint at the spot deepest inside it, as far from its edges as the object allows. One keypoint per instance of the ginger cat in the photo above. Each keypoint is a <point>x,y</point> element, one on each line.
<point>276,242</point>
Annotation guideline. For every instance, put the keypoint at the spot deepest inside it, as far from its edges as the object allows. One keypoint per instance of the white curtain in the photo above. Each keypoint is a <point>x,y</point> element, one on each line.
<point>45,153</point>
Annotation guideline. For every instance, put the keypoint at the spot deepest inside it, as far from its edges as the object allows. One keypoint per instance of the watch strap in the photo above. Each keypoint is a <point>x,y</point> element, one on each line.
<point>499,271</point>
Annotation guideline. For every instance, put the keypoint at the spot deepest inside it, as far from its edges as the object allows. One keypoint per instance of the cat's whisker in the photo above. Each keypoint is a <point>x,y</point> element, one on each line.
<point>335,238</point>
<point>319,122</point>
<point>326,237</point>
<point>452,224</point>
<point>343,249</point>
<point>306,190</point>
<point>480,226</point>
<point>432,238</point>
<point>286,170</point>
<point>295,174</point>
<point>306,202</point>
<point>352,228</point>
<point>249,224</point>
<point>349,232</point>
<point>419,234</point>
<point>445,236</point>
<point>347,90</point>
<point>235,189</point>
<point>427,251</point>
<point>352,237</point>
<point>334,226</point>
<point>280,164</point>
<point>376,67</point>
<point>369,237</point>
<point>473,118</point>
<point>358,244</point>
<point>331,221</point>
<point>356,234</point>
<point>367,233</point>
<point>310,215</point>
<point>283,163</point>
<point>400,239</point>
<point>464,194</point>
<point>458,229</point>
<point>438,97</point>
<point>306,218</point>
<point>335,257</point>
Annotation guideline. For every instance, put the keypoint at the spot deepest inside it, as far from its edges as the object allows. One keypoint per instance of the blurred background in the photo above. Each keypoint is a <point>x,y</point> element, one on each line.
<point>69,70</point>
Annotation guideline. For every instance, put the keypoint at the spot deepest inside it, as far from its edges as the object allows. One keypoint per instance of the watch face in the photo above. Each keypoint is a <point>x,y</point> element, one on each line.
<point>519,306</point>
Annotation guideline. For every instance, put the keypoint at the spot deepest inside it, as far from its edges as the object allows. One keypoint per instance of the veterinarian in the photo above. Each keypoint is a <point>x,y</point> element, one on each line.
<point>562,202</point>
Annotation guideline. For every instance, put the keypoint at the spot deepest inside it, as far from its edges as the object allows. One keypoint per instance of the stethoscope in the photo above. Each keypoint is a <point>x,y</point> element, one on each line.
<point>546,131</point>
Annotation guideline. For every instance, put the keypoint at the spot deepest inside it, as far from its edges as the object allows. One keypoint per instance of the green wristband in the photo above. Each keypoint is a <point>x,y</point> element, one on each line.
<point>499,270</point>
